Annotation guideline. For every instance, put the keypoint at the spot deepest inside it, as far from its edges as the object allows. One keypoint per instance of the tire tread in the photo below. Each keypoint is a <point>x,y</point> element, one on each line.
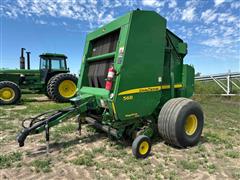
<point>168,117</point>
<point>54,83</point>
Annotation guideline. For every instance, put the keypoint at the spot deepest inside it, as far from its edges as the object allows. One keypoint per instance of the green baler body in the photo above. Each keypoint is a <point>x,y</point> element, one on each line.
<point>142,59</point>
<point>148,71</point>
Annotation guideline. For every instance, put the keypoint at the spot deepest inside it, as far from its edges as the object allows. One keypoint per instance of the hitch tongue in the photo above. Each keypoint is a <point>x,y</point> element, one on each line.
<point>36,124</point>
<point>44,121</point>
<point>22,136</point>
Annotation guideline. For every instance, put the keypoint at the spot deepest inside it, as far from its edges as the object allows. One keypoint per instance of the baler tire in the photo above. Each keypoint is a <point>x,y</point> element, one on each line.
<point>55,86</point>
<point>180,122</point>
<point>11,89</point>
<point>141,146</point>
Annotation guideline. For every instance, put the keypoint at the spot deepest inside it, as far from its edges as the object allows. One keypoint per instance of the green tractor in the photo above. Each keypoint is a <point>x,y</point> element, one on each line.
<point>133,85</point>
<point>52,79</point>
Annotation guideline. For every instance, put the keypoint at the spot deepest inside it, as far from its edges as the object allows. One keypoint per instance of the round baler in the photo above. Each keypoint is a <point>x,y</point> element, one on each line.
<point>133,85</point>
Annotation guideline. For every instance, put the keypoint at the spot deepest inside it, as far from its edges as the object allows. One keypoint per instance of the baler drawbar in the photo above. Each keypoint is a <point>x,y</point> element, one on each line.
<point>40,123</point>
<point>134,85</point>
<point>44,121</point>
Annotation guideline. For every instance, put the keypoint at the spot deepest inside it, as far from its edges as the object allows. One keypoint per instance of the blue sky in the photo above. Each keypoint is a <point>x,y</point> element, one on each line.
<point>211,28</point>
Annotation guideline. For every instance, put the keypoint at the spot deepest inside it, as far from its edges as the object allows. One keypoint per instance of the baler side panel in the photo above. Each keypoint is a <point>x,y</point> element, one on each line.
<point>178,65</point>
<point>188,81</point>
<point>178,60</point>
<point>142,65</point>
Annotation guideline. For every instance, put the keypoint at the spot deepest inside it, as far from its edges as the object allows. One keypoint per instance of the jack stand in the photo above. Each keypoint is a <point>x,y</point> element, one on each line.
<point>47,137</point>
<point>79,124</point>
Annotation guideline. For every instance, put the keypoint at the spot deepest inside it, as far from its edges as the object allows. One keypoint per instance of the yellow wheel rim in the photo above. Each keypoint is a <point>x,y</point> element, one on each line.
<point>67,88</point>
<point>7,94</point>
<point>191,124</point>
<point>143,148</point>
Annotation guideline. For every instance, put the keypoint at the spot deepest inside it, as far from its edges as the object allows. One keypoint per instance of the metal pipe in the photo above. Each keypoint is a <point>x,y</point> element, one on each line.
<point>22,59</point>
<point>235,84</point>
<point>218,76</point>
<point>102,56</point>
<point>228,85</point>
<point>28,60</point>
<point>218,82</point>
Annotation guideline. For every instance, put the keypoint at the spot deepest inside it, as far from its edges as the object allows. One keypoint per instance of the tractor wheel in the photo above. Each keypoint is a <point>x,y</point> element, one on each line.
<point>10,93</point>
<point>47,93</point>
<point>141,146</point>
<point>180,122</point>
<point>62,87</point>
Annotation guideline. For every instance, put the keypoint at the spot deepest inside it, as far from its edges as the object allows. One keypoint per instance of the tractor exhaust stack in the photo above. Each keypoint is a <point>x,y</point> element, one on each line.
<point>28,60</point>
<point>22,59</point>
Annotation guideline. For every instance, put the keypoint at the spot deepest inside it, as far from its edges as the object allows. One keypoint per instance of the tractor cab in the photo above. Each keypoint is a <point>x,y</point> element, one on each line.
<point>52,64</point>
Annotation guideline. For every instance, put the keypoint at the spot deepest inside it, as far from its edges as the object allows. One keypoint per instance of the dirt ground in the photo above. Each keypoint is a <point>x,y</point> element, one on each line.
<point>94,156</point>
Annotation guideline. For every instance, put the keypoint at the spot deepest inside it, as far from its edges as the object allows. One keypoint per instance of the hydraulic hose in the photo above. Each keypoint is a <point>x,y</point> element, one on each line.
<point>37,123</point>
<point>26,131</point>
